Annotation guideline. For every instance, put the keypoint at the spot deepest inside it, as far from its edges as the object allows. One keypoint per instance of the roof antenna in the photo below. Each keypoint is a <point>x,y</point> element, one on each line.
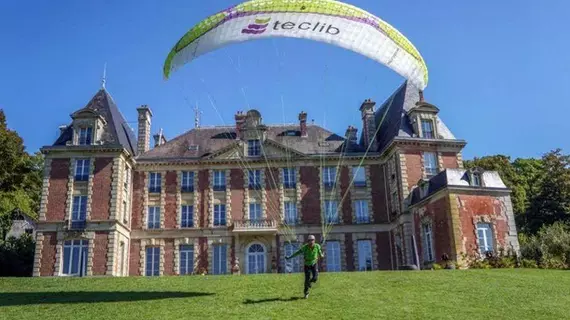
<point>104,80</point>
<point>197,114</point>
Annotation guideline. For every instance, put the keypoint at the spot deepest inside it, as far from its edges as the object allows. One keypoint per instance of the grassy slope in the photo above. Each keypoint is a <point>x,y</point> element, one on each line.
<point>472,294</point>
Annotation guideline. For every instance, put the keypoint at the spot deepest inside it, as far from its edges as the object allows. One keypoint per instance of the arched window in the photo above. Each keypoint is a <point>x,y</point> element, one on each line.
<point>256,259</point>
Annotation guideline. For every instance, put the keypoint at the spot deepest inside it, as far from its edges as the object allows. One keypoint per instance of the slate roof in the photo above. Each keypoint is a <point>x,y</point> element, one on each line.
<point>117,131</point>
<point>212,139</point>
<point>393,120</point>
<point>457,178</point>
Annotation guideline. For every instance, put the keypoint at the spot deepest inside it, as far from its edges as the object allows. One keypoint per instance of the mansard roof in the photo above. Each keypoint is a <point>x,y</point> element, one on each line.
<point>116,131</point>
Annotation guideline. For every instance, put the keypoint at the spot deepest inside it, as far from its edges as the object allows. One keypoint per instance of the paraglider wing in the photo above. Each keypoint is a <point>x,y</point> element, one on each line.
<point>327,21</point>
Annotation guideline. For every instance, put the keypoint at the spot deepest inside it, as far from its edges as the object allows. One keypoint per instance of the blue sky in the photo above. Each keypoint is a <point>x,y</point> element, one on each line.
<point>499,70</point>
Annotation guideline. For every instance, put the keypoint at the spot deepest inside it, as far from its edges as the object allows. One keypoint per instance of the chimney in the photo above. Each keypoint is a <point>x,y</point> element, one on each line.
<point>421,96</point>
<point>240,122</point>
<point>303,123</point>
<point>159,139</point>
<point>351,134</point>
<point>143,141</point>
<point>368,123</point>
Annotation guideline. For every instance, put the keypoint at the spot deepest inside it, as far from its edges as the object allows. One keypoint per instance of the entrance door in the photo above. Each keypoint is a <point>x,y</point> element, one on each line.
<point>256,259</point>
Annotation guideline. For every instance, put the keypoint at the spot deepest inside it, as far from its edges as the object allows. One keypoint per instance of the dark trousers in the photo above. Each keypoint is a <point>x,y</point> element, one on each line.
<point>310,270</point>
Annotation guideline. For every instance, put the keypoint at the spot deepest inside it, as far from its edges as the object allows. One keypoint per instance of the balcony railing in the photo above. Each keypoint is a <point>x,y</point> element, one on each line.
<point>255,225</point>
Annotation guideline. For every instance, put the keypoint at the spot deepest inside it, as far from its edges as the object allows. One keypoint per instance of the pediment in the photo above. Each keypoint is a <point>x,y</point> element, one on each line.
<point>271,149</point>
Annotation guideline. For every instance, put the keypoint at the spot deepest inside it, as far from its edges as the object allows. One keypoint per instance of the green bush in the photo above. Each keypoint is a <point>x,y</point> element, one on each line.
<point>17,256</point>
<point>529,263</point>
<point>549,248</point>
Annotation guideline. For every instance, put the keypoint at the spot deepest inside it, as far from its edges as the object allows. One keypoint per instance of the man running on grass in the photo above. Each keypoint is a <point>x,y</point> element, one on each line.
<point>311,252</point>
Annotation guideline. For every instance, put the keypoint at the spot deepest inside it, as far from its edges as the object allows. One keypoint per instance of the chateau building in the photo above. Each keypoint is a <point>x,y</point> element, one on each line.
<point>249,194</point>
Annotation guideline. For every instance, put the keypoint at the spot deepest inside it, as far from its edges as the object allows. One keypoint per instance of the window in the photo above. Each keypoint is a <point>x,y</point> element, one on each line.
<point>333,256</point>
<point>485,237</point>
<point>427,129</point>
<point>186,259</point>
<point>255,259</point>
<point>361,210</point>
<point>359,174</point>
<point>125,212</point>
<point>187,217</point>
<point>122,258</point>
<point>152,261</point>
<point>331,214</point>
<point>153,218</point>
<point>290,212</point>
<point>127,181</point>
<point>255,211</point>
<point>154,182</point>
<point>430,164</point>
<point>219,259</point>
<point>254,178</point>
<point>85,136</point>
<point>79,211</point>
<point>364,255</point>
<point>293,265</point>
<point>289,178</point>
<point>253,148</point>
<point>329,177</point>
<point>219,215</point>
<point>75,257</point>
<point>476,179</point>
<point>219,180</point>
<point>187,181</point>
<point>82,170</point>
<point>428,242</point>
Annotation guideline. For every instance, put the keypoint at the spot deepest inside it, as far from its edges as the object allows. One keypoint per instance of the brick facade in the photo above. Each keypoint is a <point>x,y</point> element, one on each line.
<point>310,195</point>
<point>100,253</point>
<point>170,207</point>
<point>101,199</point>
<point>57,196</point>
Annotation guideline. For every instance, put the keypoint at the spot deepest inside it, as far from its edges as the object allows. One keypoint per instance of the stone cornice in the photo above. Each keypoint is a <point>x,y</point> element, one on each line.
<point>462,190</point>
<point>68,151</point>
<point>441,144</point>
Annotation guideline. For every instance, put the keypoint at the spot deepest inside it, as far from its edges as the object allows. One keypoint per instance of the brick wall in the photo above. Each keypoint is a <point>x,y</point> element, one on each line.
<point>237,193</point>
<point>135,258</point>
<point>379,204</point>
<point>414,167</point>
<point>138,200</point>
<point>439,213</point>
<point>57,195</point>
<point>449,160</point>
<point>272,193</point>
<point>349,252</point>
<point>383,249</point>
<point>345,193</point>
<point>170,208</point>
<point>169,257</point>
<point>474,208</point>
<point>100,253</point>
<point>101,198</point>
<point>310,195</point>
<point>202,254</point>
<point>47,266</point>
<point>203,188</point>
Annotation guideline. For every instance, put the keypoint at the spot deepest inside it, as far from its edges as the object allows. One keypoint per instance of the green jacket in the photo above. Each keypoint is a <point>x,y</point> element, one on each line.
<point>311,255</point>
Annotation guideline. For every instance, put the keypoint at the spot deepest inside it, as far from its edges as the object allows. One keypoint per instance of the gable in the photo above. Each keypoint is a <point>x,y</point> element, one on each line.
<point>271,148</point>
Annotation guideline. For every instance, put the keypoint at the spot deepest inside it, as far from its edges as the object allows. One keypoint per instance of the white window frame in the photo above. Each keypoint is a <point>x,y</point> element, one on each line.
<point>359,176</point>
<point>154,182</point>
<point>333,256</point>
<point>186,259</point>
<point>187,215</point>
<point>85,136</point>
<point>255,211</point>
<point>219,180</point>
<point>154,261</point>
<point>485,237</point>
<point>290,214</point>
<point>295,263</point>
<point>329,176</point>
<point>82,167</point>
<point>220,214</point>
<point>427,232</point>
<point>431,125</point>
<point>365,245</point>
<point>253,148</point>
<point>153,217</point>
<point>219,259</point>
<point>82,246</point>
<point>331,211</point>
<point>289,178</point>
<point>429,170</point>
<point>254,179</point>
<point>187,183</point>
<point>79,208</point>
<point>361,211</point>
<point>262,254</point>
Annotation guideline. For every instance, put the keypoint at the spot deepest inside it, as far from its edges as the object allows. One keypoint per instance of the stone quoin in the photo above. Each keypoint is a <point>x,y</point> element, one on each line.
<point>253,192</point>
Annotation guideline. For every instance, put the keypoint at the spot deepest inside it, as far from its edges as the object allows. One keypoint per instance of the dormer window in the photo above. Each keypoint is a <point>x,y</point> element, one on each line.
<point>476,181</point>
<point>427,129</point>
<point>85,136</point>
<point>475,177</point>
<point>253,148</point>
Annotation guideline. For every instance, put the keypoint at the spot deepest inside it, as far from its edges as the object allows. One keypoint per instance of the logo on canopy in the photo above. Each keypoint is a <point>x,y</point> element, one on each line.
<point>258,27</point>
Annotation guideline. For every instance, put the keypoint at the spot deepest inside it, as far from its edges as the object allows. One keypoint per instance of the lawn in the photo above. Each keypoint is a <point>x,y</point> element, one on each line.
<point>443,294</point>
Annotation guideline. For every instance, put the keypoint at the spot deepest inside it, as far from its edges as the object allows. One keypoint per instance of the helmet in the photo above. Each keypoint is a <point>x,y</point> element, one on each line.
<point>311,237</point>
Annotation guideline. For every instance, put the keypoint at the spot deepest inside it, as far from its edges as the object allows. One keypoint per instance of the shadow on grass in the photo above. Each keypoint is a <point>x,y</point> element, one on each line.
<point>249,301</point>
<point>27,298</point>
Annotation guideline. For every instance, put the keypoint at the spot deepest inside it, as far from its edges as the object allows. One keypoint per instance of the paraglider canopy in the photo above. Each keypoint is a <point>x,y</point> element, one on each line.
<point>328,21</point>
